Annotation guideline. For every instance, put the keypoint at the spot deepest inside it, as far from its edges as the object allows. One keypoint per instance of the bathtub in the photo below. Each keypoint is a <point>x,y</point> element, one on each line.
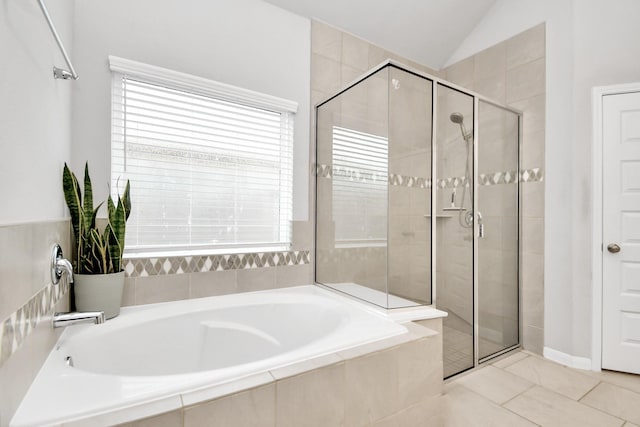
<point>150,357</point>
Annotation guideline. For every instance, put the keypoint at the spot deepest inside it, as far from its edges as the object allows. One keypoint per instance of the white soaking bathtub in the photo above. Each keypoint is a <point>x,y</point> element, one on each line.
<point>146,360</point>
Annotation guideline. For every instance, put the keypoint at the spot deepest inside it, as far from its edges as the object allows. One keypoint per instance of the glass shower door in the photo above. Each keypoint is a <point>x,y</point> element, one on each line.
<point>498,132</point>
<point>454,227</point>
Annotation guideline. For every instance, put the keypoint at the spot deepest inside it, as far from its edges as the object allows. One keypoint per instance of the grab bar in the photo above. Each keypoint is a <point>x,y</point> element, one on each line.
<point>59,73</point>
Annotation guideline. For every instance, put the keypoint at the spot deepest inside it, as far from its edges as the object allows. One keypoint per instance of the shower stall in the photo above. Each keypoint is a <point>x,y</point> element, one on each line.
<point>417,203</point>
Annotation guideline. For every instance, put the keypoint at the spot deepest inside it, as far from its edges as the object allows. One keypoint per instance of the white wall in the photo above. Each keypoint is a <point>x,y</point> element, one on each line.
<point>247,43</point>
<point>589,43</point>
<point>34,112</point>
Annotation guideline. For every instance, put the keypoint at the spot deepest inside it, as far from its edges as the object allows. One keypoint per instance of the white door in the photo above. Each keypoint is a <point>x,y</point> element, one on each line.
<point>621,232</point>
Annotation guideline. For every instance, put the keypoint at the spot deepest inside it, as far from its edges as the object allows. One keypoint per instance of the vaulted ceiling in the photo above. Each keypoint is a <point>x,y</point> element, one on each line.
<point>426,31</point>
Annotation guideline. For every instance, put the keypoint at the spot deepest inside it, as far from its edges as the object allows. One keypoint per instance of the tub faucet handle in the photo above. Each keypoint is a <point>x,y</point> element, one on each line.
<point>60,265</point>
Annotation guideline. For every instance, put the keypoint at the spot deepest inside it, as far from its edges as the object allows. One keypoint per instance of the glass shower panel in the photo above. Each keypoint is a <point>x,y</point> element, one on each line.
<point>410,104</point>
<point>352,190</point>
<point>498,245</point>
<point>454,226</point>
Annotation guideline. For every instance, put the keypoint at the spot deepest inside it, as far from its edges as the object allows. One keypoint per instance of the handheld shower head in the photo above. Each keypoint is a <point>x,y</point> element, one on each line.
<point>458,119</point>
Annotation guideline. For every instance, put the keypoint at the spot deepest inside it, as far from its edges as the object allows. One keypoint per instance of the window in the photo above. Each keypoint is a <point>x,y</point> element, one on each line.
<point>210,165</point>
<point>360,180</point>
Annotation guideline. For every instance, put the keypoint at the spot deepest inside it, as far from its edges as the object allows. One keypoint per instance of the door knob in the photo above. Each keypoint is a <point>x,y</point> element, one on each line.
<point>613,248</point>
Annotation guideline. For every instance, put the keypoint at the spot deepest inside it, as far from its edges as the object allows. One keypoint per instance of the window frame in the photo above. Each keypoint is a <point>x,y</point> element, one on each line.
<point>196,85</point>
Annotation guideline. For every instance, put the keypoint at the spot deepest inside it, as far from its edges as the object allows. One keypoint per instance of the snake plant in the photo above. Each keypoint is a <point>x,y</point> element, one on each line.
<point>97,252</point>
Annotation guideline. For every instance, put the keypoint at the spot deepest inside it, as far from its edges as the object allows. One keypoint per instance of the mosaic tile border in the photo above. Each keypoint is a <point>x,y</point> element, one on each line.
<point>494,178</point>
<point>17,327</point>
<point>397,180</point>
<point>144,267</point>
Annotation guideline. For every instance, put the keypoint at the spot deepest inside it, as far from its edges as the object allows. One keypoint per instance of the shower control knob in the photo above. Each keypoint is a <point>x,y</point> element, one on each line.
<point>613,248</point>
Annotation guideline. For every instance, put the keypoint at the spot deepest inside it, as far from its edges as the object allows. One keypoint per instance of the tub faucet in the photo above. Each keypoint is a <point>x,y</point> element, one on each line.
<point>67,319</point>
<point>60,265</point>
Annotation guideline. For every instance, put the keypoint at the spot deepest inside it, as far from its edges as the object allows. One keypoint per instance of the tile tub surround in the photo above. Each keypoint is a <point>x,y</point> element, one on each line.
<point>27,301</point>
<point>386,382</point>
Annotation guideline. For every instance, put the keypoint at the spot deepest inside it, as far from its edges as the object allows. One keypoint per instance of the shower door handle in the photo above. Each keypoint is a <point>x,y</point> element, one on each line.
<point>480,226</point>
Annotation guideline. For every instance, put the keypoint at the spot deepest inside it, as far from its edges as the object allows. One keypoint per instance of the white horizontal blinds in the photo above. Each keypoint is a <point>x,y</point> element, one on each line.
<point>360,180</point>
<point>204,172</point>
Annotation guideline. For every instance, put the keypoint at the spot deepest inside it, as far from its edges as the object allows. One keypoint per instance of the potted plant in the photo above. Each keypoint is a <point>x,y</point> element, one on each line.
<point>98,273</point>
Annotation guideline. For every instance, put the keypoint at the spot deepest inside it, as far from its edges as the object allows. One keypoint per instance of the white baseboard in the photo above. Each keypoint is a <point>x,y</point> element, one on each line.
<point>583,363</point>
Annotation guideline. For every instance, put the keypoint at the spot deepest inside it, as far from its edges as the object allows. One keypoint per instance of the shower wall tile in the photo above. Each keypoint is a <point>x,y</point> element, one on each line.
<point>212,283</point>
<point>326,41</point>
<point>326,74</point>
<point>491,62</point>
<point>163,288</point>
<point>294,275</point>
<point>355,52</point>
<point>526,81</point>
<point>526,47</point>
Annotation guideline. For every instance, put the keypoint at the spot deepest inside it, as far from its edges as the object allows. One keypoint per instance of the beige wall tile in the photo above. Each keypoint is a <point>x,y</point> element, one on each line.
<point>532,339</point>
<point>256,279</point>
<point>325,74</point>
<point>315,398</point>
<point>420,370</point>
<point>355,52</point>
<point>532,150</point>
<point>294,275</point>
<point>372,388</point>
<point>526,81</point>
<point>545,407</point>
<point>533,199</point>
<point>15,268</point>
<point>526,46</point>
<point>129,292</point>
<point>170,419</point>
<point>557,378</point>
<point>212,283</point>
<point>493,87</point>
<point>533,110</point>
<point>162,288</point>
<point>16,375</point>
<point>614,400</point>
<point>491,61</point>
<point>461,73</point>
<point>326,40</point>
<point>533,235</point>
<point>302,235</point>
<point>251,408</point>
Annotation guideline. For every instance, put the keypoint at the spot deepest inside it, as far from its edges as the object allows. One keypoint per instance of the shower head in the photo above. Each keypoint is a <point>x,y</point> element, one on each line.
<point>457,118</point>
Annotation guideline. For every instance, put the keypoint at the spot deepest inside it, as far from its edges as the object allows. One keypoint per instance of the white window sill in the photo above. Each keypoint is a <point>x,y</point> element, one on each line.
<point>204,252</point>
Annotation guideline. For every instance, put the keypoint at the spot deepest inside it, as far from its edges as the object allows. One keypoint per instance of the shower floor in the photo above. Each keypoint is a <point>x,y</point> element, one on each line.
<point>458,344</point>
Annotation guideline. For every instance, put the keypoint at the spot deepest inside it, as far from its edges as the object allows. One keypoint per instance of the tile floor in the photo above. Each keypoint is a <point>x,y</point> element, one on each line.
<point>524,389</point>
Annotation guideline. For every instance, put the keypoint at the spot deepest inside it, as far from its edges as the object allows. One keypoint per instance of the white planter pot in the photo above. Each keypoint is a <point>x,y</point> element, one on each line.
<point>99,292</point>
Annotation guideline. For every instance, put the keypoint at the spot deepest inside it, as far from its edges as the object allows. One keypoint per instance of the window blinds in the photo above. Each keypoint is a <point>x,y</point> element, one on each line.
<point>360,180</point>
<point>205,172</point>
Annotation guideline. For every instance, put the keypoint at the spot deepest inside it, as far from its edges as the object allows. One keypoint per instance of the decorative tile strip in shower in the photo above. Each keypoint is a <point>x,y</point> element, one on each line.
<point>494,178</point>
<point>17,327</point>
<point>357,175</point>
<point>143,267</point>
